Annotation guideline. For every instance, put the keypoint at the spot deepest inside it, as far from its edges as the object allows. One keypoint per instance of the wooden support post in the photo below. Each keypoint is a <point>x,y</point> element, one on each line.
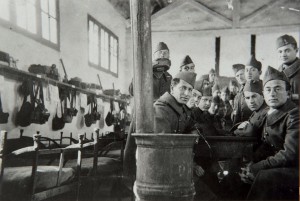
<point>217,58</point>
<point>3,137</point>
<point>143,75</point>
<point>253,44</point>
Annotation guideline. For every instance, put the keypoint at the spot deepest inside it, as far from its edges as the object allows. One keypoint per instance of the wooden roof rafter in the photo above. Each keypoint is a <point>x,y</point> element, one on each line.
<point>260,11</point>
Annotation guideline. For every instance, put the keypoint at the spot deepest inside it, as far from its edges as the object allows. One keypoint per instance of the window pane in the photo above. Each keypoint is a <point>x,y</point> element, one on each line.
<point>31,18</point>
<point>21,13</point>
<point>4,9</point>
<point>45,26</point>
<point>53,30</point>
<point>44,5</point>
<point>52,8</point>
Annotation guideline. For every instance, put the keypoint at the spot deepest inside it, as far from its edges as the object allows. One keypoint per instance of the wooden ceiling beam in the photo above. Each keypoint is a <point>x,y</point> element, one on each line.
<point>168,9</point>
<point>230,31</point>
<point>260,11</point>
<point>207,10</point>
<point>236,13</point>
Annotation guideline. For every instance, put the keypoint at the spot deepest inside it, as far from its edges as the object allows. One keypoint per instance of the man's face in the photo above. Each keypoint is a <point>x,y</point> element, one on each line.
<point>253,100</point>
<point>252,73</point>
<point>275,93</point>
<point>161,54</point>
<point>188,67</point>
<point>206,83</point>
<point>182,92</point>
<point>216,93</point>
<point>196,95</point>
<point>233,89</point>
<point>224,96</point>
<point>205,103</point>
<point>212,77</point>
<point>240,76</point>
<point>287,53</point>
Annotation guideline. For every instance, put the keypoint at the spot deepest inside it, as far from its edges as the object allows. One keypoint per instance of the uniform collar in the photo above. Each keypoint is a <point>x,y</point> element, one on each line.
<point>291,69</point>
<point>280,112</point>
<point>168,99</point>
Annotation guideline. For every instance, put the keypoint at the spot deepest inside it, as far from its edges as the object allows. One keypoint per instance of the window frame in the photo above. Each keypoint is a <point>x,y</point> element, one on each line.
<point>110,33</point>
<point>11,24</point>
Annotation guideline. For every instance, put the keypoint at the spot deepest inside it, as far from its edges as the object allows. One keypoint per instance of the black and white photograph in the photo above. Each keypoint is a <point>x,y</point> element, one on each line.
<point>149,100</point>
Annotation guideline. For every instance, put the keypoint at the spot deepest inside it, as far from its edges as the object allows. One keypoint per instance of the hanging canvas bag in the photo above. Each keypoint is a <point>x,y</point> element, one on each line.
<point>58,122</point>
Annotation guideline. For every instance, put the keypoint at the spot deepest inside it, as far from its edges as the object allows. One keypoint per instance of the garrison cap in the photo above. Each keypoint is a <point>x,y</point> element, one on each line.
<point>254,86</point>
<point>273,74</point>
<point>198,85</point>
<point>233,82</point>
<point>161,46</point>
<point>237,67</point>
<point>189,77</point>
<point>187,60</point>
<point>285,40</point>
<point>254,63</point>
<point>225,90</point>
<point>207,91</point>
<point>216,100</point>
<point>212,71</point>
<point>215,88</point>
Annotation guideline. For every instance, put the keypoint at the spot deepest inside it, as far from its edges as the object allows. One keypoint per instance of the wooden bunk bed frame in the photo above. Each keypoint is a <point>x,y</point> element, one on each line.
<point>35,154</point>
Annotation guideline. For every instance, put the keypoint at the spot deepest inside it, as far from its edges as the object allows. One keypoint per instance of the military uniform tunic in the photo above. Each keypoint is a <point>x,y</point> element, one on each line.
<point>293,74</point>
<point>241,112</point>
<point>276,160</point>
<point>171,116</point>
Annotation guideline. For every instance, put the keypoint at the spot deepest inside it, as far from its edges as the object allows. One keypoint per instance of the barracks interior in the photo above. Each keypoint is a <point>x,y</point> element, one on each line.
<point>149,100</point>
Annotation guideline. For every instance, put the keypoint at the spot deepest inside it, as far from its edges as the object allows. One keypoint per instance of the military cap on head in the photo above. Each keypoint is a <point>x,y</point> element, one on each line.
<point>225,90</point>
<point>187,60</point>
<point>212,71</point>
<point>198,85</point>
<point>216,100</point>
<point>233,83</point>
<point>189,77</point>
<point>254,63</point>
<point>161,46</point>
<point>207,91</point>
<point>254,86</point>
<point>273,74</point>
<point>285,40</point>
<point>237,67</point>
<point>215,88</point>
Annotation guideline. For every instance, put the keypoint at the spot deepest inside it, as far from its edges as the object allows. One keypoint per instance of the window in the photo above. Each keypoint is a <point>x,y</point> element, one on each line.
<point>103,47</point>
<point>37,19</point>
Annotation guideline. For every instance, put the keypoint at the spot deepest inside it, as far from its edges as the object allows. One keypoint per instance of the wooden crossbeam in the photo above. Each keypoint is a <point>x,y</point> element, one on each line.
<point>207,10</point>
<point>260,11</point>
<point>168,9</point>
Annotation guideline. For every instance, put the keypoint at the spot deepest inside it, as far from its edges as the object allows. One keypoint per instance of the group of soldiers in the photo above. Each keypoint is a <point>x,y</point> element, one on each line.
<point>266,109</point>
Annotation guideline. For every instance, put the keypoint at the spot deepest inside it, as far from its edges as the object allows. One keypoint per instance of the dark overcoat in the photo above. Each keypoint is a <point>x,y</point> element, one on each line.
<point>293,74</point>
<point>276,160</point>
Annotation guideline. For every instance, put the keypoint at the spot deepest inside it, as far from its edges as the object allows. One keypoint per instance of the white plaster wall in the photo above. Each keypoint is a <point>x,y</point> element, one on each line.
<point>73,50</point>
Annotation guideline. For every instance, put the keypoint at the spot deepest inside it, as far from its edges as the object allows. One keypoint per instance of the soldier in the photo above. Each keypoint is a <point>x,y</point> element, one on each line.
<point>287,52</point>
<point>216,90</point>
<point>209,79</point>
<point>253,69</point>
<point>196,95</point>
<point>187,64</point>
<point>253,92</point>
<point>274,171</point>
<point>233,88</point>
<point>225,93</point>
<point>161,78</point>
<point>171,114</point>
<point>240,112</point>
<point>161,84</point>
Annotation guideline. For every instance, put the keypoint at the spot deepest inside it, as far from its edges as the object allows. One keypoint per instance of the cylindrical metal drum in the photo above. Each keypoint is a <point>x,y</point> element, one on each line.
<point>164,167</point>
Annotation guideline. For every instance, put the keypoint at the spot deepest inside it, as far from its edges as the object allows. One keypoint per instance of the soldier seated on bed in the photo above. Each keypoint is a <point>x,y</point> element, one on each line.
<point>274,170</point>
